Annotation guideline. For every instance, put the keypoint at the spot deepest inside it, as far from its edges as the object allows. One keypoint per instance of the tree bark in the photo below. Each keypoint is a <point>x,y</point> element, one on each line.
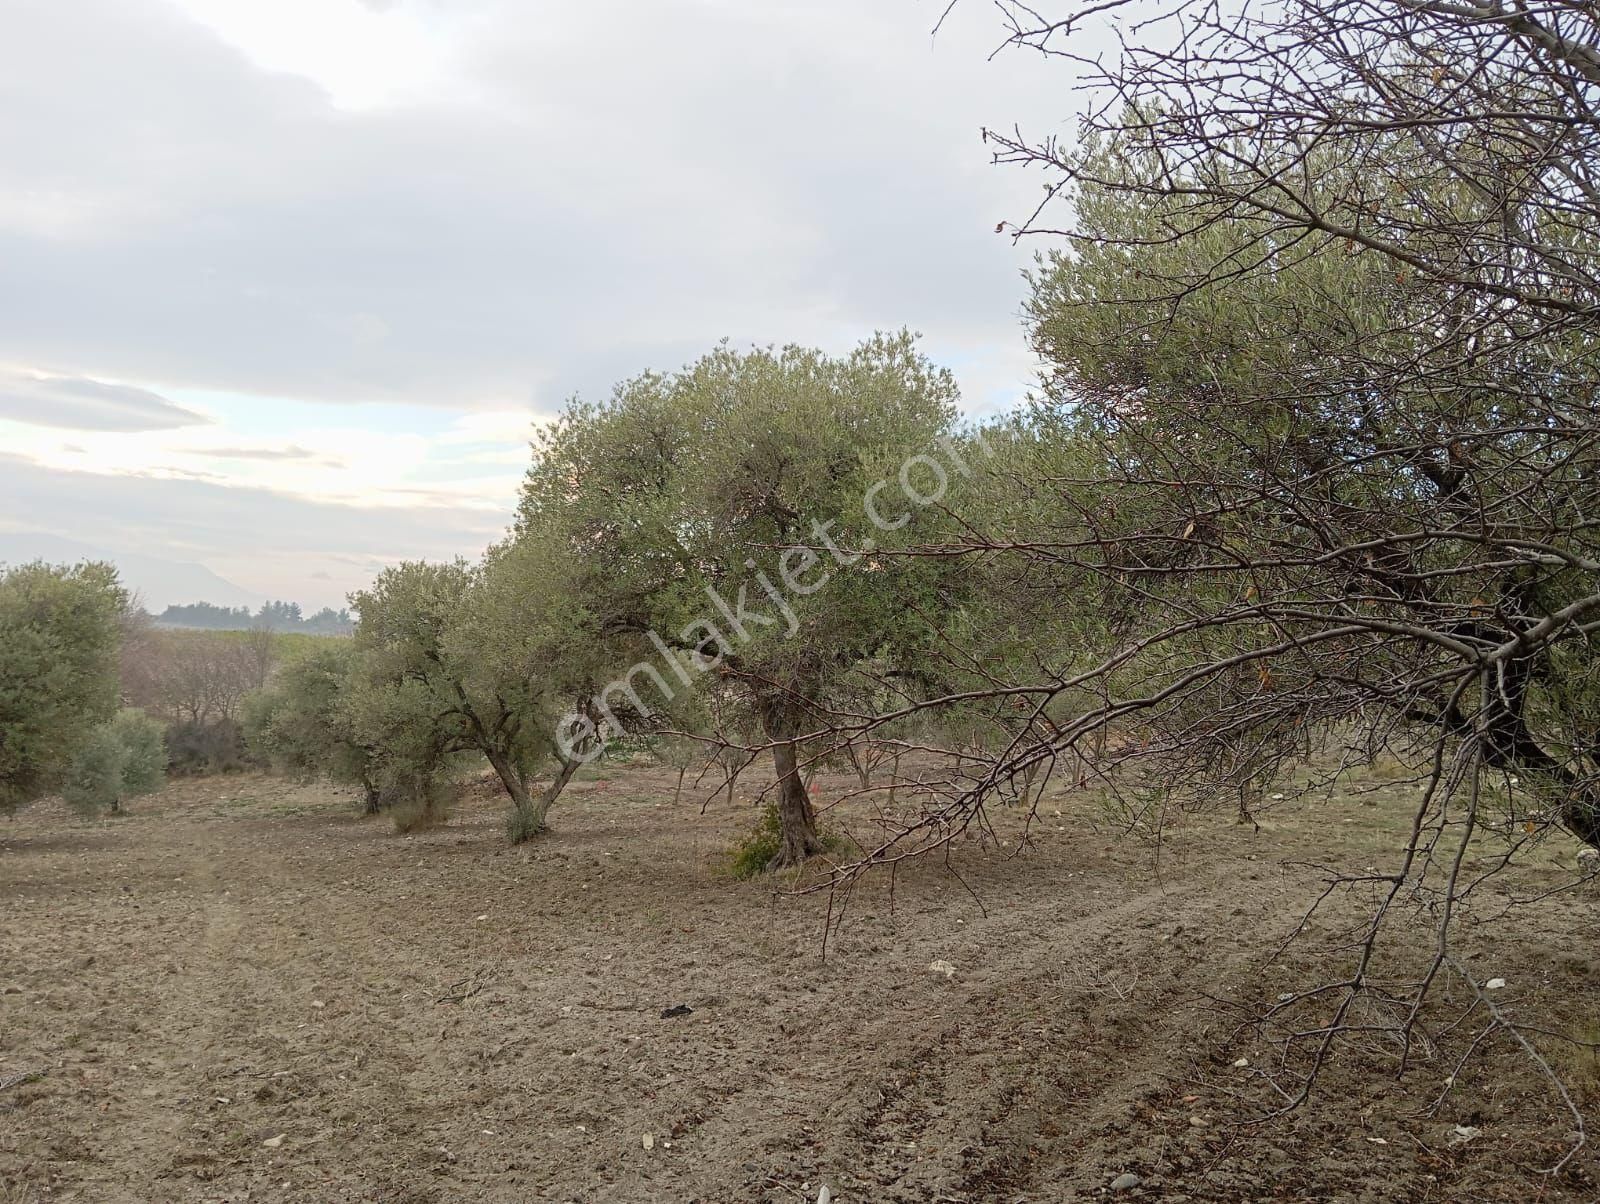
<point>1510,745</point>
<point>531,816</point>
<point>533,811</point>
<point>373,801</point>
<point>553,791</point>
<point>1580,815</point>
<point>797,820</point>
<point>861,762</point>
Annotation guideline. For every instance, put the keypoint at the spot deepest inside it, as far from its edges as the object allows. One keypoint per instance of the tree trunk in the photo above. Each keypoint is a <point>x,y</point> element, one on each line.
<point>373,802</point>
<point>559,783</point>
<point>1509,744</point>
<point>1028,776</point>
<point>528,818</point>
<point>531,813</point>
<point>797,821</point>
<point>1580,815</point>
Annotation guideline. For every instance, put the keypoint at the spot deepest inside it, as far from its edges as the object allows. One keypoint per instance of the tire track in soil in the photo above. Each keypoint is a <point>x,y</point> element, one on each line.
<point>1056,1058</point>
<point>213,1034</point>
<point>1009,1044</point>
<point>290,1069</point>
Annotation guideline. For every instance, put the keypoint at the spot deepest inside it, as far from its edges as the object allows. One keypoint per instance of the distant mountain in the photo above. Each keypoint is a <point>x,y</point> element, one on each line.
<point>158,582</point>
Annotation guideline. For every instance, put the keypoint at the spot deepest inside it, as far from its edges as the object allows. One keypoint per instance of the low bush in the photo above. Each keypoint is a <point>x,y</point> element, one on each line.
<point>418,792</point>
<point>753,854</point>
<point>198,748</point>
<point>521,826</point>
<point>120,759</point>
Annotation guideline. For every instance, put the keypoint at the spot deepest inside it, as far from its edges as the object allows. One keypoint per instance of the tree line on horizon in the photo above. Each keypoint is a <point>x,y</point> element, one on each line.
<point>272,616</point>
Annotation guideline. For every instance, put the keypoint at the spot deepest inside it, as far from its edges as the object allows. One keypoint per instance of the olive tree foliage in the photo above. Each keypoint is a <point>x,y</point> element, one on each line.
<point>304,722</point>
<point>1322,363</point>
<point>716,518</point>
<point>1318,450</point>
<point>415,766</point>
<point>465,658</point>
<point>59,633</point>
<point>121,759</point>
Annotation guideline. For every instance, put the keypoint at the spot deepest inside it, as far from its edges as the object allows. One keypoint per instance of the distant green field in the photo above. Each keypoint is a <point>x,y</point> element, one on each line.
<point>289,643</point>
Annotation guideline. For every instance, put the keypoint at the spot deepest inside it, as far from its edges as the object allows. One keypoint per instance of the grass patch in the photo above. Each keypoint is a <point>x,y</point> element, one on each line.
<point>1578,1063</point>
<point>522,827</point>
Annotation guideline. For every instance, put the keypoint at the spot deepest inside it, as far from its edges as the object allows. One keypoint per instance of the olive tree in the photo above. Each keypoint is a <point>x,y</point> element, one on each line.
<point>466,649</point>
<point>1319,423</point>
<point>304,722</point>
<point>722,520</point>
<point>1318,439</point>
<point>121,759</point>
<point>59,632</point>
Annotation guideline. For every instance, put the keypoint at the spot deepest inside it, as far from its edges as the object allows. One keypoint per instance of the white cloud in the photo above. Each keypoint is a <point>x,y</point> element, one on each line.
<point>364,55</point>
<point>433,219</point>
<point>512,427</point>
<point>628,184</point>
<point>81,403</point>
<point>347,465</point>
<point>271,544</point>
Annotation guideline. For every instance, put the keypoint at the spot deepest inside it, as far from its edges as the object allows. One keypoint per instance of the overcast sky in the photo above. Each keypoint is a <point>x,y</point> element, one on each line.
<point>283,286</point>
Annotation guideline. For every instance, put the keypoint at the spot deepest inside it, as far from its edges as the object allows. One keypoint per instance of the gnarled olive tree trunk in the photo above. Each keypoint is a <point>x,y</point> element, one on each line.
<point>797,821</point>
<point>532,811</point>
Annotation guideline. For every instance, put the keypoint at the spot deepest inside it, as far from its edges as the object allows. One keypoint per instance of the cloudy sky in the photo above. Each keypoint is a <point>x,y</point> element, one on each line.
<point>284,286</point>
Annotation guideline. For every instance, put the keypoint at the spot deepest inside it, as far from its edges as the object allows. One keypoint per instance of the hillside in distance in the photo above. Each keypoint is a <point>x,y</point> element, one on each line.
<point>157,581</point>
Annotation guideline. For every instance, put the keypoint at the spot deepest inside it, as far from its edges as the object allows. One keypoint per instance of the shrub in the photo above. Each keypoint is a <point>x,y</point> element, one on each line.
<point>94,776</point>
<point>59,630</point>
<point>200,748</point>
<point>522,825</point>
<point>145,770</point>
<point>119,760</point>
<point>300,724</point>
<point>753,854</point>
